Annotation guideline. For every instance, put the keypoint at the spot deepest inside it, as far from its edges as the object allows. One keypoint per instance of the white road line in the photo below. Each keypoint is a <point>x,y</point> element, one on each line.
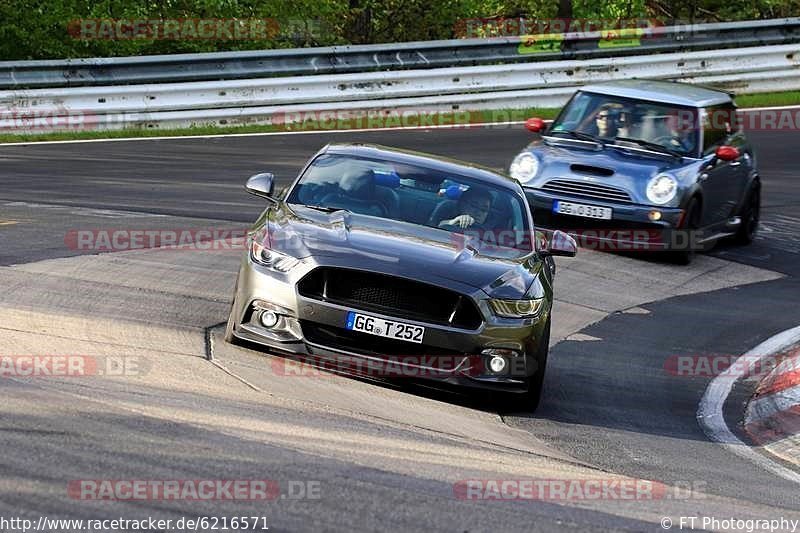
<point>710,412</point>
<point>86,211</point>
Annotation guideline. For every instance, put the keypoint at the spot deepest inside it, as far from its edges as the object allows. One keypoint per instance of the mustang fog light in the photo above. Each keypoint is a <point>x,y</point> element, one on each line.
<point>654,215</point>
<point>268,319</point>
<point>497,364</point>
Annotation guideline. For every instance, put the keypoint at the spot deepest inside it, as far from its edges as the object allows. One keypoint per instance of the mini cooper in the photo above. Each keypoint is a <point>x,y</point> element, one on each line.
<point>643,165</point>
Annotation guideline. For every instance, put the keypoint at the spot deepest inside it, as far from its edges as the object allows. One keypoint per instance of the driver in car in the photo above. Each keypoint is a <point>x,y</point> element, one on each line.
<point>474,206</point>
<point>681,134</point>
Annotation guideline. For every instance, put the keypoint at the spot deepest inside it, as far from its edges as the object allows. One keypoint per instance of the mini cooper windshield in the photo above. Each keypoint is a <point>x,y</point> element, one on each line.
<point>624,121</point>
<point>415,194</point>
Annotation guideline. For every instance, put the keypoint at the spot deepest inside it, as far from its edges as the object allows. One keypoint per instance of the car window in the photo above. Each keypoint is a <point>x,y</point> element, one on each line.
<point>415,194</point>
<point>718,122</point>
<point>610,118</point>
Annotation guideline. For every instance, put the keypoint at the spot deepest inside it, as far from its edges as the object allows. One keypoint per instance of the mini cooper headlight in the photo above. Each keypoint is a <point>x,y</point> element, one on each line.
<point>270,258</point>
<point>524,167</point>
<point>662,189</point>
<point>516,308</point>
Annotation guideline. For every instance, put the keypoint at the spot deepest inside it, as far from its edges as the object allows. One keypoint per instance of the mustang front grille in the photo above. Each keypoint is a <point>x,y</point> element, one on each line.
<point>587,190</point>
<point>390,295</point>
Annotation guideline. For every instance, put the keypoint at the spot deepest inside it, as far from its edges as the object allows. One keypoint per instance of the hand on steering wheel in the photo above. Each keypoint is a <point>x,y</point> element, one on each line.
<point>462,221</point>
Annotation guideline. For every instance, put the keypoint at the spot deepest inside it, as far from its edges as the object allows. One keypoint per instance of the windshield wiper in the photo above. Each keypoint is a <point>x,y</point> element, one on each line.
<point>651,145</point>
<point>323,208</point>
<point>580,135</point>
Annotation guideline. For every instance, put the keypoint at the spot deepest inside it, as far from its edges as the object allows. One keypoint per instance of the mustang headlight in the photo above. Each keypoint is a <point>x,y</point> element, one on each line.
<point>516,308</point>
<point>270,258</point>
<point>662,189</point>
<point>524,167</point>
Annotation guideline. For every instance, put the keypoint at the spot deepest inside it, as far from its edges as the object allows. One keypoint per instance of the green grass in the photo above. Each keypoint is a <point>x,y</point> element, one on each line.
<point>310,124</point>
<point>769,99</point>
<point>461,119</point>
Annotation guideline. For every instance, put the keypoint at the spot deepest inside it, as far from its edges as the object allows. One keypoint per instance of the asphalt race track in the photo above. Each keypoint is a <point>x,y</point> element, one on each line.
<point>381,455</point>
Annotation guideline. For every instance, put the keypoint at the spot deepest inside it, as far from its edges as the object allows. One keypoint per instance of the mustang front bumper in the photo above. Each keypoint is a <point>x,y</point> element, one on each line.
<point>314,329</point>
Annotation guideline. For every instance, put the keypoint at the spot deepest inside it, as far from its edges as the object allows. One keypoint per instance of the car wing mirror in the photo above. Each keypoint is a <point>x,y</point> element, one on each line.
<point>727,153</point>
<point>262,185</point>
<point>560,244</point>
<point>535,125</point>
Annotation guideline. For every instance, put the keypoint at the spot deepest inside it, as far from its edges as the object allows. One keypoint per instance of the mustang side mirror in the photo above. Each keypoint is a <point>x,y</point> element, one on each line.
<point>727,153</point>
<point>561,244</point>
<point>535,124</point>
<point>262,185</point>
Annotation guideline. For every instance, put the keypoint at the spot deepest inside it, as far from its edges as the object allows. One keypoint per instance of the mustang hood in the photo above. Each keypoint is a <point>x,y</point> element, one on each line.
<point>399,248</point>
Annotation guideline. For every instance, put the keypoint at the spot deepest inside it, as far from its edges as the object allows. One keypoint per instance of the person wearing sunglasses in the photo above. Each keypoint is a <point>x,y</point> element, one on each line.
<point>605,124</point>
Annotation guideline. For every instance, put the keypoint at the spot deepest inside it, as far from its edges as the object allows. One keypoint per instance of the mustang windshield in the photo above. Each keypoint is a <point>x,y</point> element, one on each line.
<point>626,121</point>
<point>415,194</point>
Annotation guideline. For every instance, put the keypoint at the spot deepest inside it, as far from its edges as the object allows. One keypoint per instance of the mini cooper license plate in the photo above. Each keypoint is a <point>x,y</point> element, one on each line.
<point>581,210</point>
<point>384,328</point>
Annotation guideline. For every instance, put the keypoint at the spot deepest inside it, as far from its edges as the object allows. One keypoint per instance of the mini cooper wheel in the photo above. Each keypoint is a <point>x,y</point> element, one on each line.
<point>691,223</point>
<point>750,213</point>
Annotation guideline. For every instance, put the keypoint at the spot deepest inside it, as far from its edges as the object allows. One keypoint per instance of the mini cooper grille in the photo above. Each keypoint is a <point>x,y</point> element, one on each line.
<point>364,343</point>
<point>390,295</point>
<point>588,190</point>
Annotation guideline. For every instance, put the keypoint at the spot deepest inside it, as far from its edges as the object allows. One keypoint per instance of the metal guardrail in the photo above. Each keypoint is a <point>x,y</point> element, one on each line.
<point>482,87</point>
<point>394,56</point>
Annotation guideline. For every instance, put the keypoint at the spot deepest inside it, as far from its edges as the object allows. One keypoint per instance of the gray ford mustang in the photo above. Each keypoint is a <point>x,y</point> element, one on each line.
<point>376,255</point>
<point>644,165</point>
